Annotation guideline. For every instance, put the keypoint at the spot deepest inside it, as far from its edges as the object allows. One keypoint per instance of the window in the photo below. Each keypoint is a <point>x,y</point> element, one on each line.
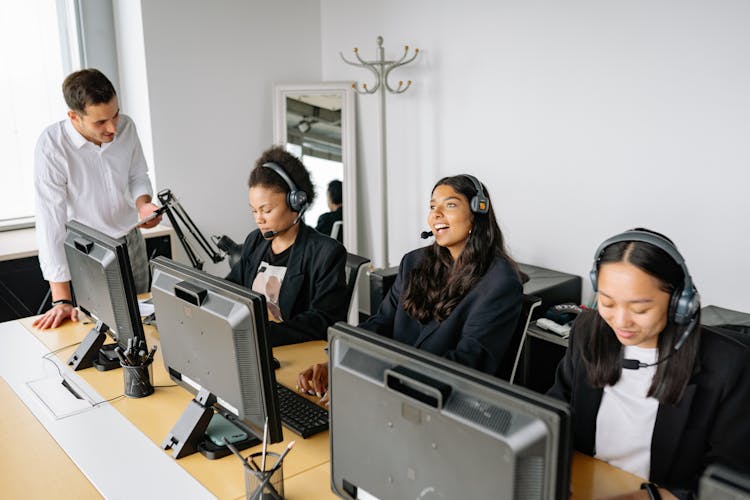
<point>33,62</point>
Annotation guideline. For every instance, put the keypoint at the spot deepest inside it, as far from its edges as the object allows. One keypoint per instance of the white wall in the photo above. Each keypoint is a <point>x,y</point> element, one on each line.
<point>584,118</point>
<point>210,68</point>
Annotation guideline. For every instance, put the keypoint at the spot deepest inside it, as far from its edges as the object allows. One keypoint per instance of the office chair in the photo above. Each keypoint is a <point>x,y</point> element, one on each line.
<point>354,264</point>
<point>336,229</point>
<point>509,366</point>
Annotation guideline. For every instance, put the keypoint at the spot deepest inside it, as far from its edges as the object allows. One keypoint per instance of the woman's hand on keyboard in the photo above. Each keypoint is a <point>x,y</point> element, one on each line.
<point>314,380</point>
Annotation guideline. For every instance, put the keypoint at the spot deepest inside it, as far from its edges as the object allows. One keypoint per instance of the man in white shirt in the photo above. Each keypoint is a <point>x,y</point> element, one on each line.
<point>89,167</point>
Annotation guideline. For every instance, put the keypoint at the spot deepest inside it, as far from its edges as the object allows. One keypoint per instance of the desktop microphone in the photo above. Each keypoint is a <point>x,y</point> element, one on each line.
<point>272,234</point>
<point>634,364</point>
<point>425,234</point>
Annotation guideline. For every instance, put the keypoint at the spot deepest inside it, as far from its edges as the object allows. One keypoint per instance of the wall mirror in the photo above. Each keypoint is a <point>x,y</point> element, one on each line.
<point>316,122</point>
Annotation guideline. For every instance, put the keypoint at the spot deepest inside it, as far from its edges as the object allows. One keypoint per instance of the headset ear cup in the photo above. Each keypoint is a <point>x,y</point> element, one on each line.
<point>674,308</point>
<point>593,276</point>
<point>296,200</point>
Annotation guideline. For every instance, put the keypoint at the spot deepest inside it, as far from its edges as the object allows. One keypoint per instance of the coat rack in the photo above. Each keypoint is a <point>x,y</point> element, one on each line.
<point>381,68</point>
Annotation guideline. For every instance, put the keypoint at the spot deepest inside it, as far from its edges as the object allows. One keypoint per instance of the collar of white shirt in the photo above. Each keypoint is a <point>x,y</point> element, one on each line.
<point>75,136</point>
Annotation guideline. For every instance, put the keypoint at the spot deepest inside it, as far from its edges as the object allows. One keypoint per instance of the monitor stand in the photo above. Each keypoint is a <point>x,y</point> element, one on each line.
<point>189,433</point>
<point>93,352</point>
<point>88,351</point>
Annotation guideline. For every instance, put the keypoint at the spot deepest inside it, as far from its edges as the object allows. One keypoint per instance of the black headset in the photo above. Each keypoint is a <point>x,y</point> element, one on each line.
<point>295,198</point>
<point>685,301</point>
<point>479,203</point>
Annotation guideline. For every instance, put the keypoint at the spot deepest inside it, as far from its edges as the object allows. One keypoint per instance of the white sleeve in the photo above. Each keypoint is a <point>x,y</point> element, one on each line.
<point>50,189</point>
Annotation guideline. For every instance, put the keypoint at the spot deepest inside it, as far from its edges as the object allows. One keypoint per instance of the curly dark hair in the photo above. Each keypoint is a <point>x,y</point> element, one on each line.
<point>602,352</point>
<point>86,87</point>
<point>293,167</point>
<point>437,284</point>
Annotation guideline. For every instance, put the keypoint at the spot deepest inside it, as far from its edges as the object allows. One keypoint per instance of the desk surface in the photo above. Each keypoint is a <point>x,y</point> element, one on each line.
<point>306,469</point>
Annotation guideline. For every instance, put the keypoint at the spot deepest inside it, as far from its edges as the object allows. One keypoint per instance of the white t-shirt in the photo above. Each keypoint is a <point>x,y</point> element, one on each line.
<point>626,418</point>
<point>96,185</point>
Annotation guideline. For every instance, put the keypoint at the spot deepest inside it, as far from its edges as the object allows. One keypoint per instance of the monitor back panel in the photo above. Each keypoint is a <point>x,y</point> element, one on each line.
<point>393,437</point>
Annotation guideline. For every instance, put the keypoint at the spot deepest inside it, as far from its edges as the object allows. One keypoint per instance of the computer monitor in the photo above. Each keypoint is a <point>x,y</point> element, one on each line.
<point>104,289</point>
<point>722,483</point>
<point>408,424</point>
<point>214,343</point>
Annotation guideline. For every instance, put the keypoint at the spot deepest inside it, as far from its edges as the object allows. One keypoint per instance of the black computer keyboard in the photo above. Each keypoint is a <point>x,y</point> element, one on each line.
<point>301,415</point>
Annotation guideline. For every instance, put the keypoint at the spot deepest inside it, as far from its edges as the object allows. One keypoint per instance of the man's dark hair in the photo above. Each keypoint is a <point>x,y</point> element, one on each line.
<point>87,87</point>
<point>293,167</point>
<point>334,192</point>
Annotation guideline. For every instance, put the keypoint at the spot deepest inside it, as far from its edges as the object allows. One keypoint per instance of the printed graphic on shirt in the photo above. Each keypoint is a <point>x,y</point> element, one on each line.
<point>268,282</point>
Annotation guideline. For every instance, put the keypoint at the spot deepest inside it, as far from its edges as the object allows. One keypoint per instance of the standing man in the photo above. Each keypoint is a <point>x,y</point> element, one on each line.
<point>89,167</point>
<point>326,220</point>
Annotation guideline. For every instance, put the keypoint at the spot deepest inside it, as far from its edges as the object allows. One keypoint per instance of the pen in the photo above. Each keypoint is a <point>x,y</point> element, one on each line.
<point>150,356</point>
<point>237,452</point>
<point>281,457</point>
<point>265,444</point>
<point>267,476</point>
<point>123,359</point>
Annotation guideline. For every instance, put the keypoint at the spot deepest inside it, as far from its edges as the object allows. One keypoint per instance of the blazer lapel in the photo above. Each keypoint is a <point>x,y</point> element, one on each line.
<point>668,429</point>
<point>425,332</point>
<point>293,278</point>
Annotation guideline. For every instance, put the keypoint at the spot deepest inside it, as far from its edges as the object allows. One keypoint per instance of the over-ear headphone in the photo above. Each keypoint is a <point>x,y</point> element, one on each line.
<point>295,198</point>
<point>685,301</point>
<point>479,203</point>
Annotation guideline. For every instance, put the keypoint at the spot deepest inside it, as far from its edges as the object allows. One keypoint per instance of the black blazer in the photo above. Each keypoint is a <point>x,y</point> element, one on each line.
<point>478,331</point>
<point>710,424</point>
<point>313,294</point>
<point>326,220</point>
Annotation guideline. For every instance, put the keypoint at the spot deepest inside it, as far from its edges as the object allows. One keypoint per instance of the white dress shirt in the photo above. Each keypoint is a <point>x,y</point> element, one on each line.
<point>96,185</point>
<point>626,418</point>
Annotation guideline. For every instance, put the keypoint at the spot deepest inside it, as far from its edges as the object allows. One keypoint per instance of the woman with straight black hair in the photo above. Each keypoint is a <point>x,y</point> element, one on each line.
<point>460,297</point>
<point>651,392</point>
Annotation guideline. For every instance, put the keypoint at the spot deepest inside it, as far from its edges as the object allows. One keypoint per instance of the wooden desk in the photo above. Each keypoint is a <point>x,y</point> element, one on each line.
<point>28,447</point>
<point>306,469</point>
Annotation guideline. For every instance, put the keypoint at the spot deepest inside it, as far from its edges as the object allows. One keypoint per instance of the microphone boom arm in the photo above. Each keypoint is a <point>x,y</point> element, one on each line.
<point>176,213</point>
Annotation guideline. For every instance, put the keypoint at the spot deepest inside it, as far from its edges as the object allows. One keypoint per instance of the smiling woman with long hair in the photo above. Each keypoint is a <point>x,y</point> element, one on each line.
<point>460,297</point>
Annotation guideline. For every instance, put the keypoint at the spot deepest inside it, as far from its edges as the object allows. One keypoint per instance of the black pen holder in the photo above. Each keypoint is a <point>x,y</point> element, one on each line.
<point>137,380</point>
<point>257,484</point>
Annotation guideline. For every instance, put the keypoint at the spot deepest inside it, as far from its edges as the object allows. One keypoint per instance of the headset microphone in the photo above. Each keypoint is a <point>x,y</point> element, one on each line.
<point>425,234</point>
<point>634,364</point>
<point>271,234</point>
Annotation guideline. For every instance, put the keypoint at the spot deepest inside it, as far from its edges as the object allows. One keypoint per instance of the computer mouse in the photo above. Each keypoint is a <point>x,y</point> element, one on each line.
<point>276,364</point>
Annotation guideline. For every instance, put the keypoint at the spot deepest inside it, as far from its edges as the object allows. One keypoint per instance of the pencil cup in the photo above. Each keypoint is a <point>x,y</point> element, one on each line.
<point>137,380</point>
<point>257,484</point>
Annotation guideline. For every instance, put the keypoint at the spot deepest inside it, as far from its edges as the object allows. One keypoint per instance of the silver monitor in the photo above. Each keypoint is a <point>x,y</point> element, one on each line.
<point>214,343</point>
<point>723,483</point>
<point>104,289</point>
<point>408,424</point>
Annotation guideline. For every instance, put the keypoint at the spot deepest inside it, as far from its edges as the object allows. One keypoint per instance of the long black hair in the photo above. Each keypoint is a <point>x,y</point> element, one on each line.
<point>602,352</point>
<point>437,284</point>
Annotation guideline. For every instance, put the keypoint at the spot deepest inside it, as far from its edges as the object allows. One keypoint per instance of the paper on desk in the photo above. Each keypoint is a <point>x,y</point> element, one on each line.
<point>145,307</point>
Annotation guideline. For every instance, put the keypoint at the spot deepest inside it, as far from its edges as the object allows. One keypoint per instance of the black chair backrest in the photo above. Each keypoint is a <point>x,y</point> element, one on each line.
<point>353,263</point>
<point>512,355</point>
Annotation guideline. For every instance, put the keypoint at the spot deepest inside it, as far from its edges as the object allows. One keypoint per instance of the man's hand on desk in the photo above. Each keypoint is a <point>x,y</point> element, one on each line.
<point>314,380</point>
<point>56,316</point>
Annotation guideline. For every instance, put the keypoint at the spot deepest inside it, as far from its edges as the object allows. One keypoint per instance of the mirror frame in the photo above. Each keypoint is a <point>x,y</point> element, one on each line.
<point>348,141</point>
